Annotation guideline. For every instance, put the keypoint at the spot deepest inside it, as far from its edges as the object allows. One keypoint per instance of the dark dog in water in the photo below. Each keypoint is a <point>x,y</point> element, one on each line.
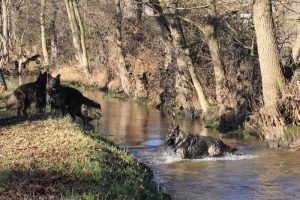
<point>188,146</point>
<point>26,94</point>
<point>67,99</point>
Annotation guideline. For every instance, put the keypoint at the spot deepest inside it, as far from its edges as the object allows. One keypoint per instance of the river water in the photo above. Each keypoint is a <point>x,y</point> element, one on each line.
<point>254,172</point>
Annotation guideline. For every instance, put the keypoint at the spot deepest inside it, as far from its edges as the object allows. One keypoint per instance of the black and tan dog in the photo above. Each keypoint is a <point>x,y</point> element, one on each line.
<point>67,99</point>
<point>188,146</point>
<point>26,94</point>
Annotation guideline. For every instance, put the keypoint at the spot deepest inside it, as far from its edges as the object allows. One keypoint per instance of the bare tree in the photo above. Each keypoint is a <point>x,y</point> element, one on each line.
<point>296,47</point>
<point>272,79</point>
<point>124,74</point>
<point>53,32</point>
<point>78,34</point>
<point>43,33</point>
<point>173,35</point>
<point>5,25</point>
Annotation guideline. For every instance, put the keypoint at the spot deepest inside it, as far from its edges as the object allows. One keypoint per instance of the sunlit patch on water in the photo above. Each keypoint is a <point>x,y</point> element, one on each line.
<point>153,143</point>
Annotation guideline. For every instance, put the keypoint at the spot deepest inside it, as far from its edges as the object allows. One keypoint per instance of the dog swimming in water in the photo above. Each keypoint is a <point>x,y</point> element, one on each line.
<point>188,146</point>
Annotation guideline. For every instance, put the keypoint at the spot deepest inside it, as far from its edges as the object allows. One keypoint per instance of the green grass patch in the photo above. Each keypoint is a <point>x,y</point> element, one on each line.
<point>80,86</point>
<point>56,158</point>
<point>10,88</point>
<point>144,103</point>
<point>214,124</point>
<point>118,96</point>
<point>292,130</point>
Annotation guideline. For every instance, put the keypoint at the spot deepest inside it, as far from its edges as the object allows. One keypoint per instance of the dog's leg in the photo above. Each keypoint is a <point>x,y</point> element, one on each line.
<point>26,106</point>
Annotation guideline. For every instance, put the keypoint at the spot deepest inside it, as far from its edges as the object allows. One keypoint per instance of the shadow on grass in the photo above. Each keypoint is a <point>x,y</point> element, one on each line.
<point>7,120</point>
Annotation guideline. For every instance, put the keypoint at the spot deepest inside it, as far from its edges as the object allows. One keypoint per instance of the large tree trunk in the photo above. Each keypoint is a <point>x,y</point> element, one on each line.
<point>5,25</point>
<point>296,48</point>
<point>124,74</point>
<point>77,33</point>
<point>43,33</point>
<point>53,33</point>
<point>272,79</point>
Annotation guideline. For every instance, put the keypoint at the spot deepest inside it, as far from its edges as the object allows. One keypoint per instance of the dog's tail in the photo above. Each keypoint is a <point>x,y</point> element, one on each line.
<point>90,103</point>
<point>12,100</point>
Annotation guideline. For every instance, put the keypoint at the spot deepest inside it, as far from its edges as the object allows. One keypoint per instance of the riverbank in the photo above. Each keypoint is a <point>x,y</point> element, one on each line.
<point>57,159</point>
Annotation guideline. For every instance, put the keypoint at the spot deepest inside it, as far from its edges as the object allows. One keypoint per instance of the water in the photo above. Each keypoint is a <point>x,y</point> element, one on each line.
<point>254,172</point>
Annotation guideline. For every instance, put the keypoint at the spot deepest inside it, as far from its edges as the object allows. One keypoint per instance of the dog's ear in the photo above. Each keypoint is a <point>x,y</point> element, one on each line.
<point>58,77</point>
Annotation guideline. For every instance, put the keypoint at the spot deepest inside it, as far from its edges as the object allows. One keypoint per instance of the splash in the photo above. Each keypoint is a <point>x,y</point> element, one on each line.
<point>166,156</point>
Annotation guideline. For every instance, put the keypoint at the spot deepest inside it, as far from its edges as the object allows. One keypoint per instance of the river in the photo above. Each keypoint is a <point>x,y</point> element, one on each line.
<point>254,172</point>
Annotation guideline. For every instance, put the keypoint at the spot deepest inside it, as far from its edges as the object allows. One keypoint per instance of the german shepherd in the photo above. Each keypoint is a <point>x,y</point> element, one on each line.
<point>67,99</point>
<point>26,94</point>
<point>188,146</point>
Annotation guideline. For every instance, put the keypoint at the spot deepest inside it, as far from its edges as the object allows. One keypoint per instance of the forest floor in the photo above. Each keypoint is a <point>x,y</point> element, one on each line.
<point>55,158</point>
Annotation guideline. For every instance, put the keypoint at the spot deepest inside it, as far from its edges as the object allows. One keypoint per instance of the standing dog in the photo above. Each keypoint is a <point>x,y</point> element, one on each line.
<point>67,99</point>
<point>26,94</point>
<point>193,147</point>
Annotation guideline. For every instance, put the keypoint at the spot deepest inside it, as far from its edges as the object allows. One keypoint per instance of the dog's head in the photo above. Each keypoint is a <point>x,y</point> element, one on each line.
<point>53,83</point>
<point>42,78</point>
<point>171,136</point>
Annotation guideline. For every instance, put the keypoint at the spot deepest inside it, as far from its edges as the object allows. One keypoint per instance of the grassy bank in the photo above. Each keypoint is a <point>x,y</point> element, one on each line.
<point>44,158</point>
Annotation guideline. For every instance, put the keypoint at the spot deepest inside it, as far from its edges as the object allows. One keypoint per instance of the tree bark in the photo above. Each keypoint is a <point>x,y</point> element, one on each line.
<point>78,36</point>
<point>84,55</point>
<point>43,33</point>
<point>220,78</point>
<point>272,125</point>
<point>124,74</point>
<point>214,49</point>
<point>184,61</point>
<point>296,48</point>
<point>174,39</point>
<point>53,33</point>
<point>272,79</point>
<point>5,25</point>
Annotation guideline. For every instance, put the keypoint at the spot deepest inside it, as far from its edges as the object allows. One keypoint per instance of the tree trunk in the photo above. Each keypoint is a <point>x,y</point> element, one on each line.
<point>174,39</point>
<point>53,33</point>
<point>124,74</point>
<point>43,33</point>
<point>214,49</point>
<point>77,30</point>
<point>84,55</point>
<point>5,25</point>
<point>272,79</point>
<point>3,85</point>
<point>220,78</point>
<point>296,48</point>
<point>184,62</point>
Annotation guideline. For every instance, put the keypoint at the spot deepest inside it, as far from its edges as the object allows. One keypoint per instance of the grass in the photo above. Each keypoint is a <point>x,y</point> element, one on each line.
<point>213,124</point>
<point>56,158</point>
<point>10,88</point>
<point>293,131</point>
<point>118,96</point>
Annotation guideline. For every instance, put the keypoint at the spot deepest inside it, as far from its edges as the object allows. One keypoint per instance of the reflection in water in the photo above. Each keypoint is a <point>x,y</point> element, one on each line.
<point>256,173</point>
